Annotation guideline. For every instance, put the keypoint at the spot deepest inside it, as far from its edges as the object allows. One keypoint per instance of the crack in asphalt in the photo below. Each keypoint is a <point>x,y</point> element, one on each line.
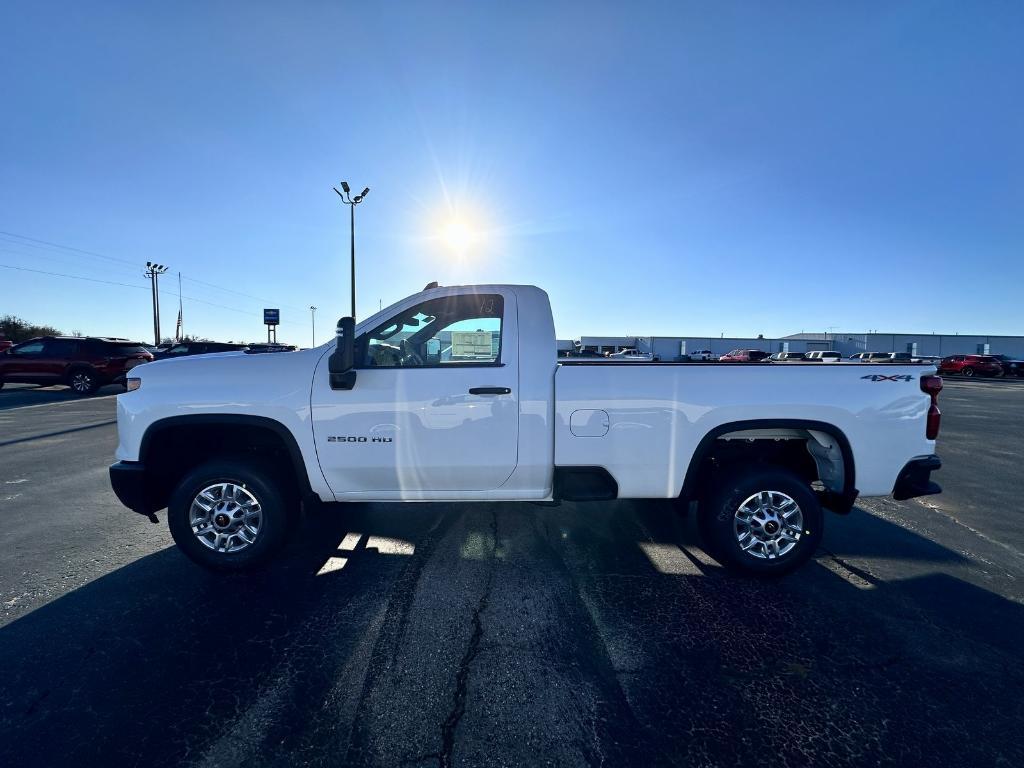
<point>870,578</point>
<point>444,758</point>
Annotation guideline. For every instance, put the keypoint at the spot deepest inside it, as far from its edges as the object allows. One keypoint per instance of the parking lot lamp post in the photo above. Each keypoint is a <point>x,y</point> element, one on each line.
<point>153,272</point>
<point>352,202</point>
<point>312,319</point>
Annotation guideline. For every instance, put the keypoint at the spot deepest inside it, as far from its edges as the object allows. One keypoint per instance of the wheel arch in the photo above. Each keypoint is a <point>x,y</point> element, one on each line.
<point>75,367</point>
<point>839,501</point>
<point>261,435</point>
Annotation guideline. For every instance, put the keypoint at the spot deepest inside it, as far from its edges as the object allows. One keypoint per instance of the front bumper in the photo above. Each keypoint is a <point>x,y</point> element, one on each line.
<point>129,481</point>
<point>915,479</point>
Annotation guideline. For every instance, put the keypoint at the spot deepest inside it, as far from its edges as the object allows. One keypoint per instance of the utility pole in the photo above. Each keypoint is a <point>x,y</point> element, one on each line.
<point>181,318</point>
<point>153,272</point>
<point>352,202</point>
<point>312,317</point>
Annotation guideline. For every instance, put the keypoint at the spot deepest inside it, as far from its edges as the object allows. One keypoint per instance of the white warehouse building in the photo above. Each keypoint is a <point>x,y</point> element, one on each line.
<point>668,348</point>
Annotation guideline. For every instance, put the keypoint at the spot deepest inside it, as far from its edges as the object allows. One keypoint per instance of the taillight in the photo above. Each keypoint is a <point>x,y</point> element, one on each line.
<point>932,385</point>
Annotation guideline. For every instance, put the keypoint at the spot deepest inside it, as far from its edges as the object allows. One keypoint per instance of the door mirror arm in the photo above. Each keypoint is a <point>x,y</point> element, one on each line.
<point>341,363</point>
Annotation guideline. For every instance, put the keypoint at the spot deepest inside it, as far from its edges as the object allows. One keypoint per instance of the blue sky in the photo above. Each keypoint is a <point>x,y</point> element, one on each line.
<point>666,169</point>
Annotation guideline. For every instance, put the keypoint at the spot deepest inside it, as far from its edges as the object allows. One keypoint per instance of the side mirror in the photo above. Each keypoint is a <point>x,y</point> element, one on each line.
<point>342,360</point>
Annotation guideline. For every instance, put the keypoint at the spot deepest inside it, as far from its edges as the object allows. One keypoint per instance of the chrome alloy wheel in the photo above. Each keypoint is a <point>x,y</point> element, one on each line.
<point>81,382</point>
<point>225,517</point>
<point>768,525</point>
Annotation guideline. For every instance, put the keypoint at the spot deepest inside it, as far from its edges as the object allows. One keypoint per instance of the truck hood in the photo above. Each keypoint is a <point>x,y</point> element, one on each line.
<point>223,373</point>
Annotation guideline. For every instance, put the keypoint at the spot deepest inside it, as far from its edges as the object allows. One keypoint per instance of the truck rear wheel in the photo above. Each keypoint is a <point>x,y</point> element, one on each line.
<point>763,521</point>
<point>230,515</point>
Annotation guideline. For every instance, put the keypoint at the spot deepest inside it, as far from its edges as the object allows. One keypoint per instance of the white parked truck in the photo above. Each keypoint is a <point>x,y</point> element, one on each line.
<point>455,394</point>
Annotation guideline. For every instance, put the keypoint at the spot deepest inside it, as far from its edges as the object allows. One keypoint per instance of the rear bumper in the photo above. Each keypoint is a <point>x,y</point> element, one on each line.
<point>128,479</point>
<point>915,479</point>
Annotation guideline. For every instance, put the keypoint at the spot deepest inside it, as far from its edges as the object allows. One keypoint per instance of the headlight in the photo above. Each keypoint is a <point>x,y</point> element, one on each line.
<point>134,383</point>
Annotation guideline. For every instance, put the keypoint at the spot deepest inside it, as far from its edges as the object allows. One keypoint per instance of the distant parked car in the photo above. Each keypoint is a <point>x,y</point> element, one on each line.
<point>824,356</point>
<point>877,357</point>
<point>860,357</point>
<point>634,355</point>
<point>971,365</point>
<point>5,344</point>
<point>701,355</point>
<point>84,364</point>
<point>189,348</point>
<point>782,357</point>
<point>1012,366</point>
<point>744,356</point>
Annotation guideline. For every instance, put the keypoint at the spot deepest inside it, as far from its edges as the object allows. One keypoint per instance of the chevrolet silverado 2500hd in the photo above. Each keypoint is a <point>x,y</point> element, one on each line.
<point>456,394</point>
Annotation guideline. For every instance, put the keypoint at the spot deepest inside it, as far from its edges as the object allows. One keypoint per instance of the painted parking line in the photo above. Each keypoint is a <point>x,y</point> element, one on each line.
<point>59,402</point>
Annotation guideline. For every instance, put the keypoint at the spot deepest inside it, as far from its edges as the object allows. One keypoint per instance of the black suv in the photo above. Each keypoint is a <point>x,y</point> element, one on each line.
<point>84,364</point>
<point>189,348</point>
<point>1012,366</point>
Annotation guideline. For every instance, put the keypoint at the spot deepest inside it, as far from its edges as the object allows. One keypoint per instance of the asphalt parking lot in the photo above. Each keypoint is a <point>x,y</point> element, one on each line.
<point>509,634</point>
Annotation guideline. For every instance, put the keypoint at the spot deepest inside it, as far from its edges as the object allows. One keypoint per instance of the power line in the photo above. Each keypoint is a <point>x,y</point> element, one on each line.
<point>128,285</point>
<point>75,277</point>
<point>63,259</point>
<point>211,303</point>
<point>246,295</point>
<point>47,243</point>
<point>64,247</point>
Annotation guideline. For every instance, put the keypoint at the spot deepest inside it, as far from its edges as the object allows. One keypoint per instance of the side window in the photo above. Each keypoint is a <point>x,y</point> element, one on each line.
<point>29,348</point>
<point>60,348</point>
<point>451,330</point>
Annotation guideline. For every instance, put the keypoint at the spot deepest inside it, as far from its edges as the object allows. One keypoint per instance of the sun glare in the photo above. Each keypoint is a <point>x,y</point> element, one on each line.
<point>458,235</point>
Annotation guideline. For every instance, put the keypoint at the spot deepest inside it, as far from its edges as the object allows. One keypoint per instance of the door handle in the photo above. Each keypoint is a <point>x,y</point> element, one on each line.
<point>490,391</point>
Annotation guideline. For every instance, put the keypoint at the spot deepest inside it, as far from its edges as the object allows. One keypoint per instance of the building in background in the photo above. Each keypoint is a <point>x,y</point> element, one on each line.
<point>668,348</point>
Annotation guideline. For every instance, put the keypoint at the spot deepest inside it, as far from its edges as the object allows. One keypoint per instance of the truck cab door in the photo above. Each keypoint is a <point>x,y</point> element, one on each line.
<point>434,409</point>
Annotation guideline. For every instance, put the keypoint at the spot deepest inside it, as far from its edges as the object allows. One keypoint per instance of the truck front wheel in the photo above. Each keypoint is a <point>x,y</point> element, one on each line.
<point>229,515</point>
<point>763,521</point>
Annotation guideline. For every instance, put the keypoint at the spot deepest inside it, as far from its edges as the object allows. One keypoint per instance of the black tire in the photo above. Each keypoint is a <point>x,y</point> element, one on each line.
<point>968,372</point>
<point>259,480</point>
<point>717,520</point>
<point>83,381</point>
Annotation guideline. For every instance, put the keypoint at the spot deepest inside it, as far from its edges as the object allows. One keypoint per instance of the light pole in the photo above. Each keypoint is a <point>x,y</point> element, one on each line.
<point>352,202</point>
<point>312,318</point>
<point>153,272</point>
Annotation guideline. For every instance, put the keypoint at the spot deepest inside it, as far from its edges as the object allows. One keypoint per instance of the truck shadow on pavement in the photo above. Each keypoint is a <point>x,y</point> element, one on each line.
<point>514,634</point>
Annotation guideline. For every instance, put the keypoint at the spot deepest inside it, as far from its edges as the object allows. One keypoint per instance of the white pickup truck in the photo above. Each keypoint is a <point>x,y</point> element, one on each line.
<point>456,394</point>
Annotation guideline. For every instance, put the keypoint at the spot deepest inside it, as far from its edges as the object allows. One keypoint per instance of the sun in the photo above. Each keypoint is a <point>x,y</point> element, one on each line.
<point>459,235</point>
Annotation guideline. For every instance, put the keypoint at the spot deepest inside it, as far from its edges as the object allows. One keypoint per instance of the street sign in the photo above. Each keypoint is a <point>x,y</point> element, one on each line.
<point>271,316</point>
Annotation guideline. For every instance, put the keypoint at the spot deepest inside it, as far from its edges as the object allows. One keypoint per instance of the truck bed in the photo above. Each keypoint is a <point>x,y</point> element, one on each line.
<point>646,438</point>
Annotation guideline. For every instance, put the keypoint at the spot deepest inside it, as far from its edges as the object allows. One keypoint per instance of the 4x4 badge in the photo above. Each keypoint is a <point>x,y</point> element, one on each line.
<point>881,377</point>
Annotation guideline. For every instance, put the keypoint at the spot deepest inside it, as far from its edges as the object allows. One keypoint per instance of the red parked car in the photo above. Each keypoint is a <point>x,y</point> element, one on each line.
<point>84,364</point>
<point>971,365</point>
<point>745,356</point>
